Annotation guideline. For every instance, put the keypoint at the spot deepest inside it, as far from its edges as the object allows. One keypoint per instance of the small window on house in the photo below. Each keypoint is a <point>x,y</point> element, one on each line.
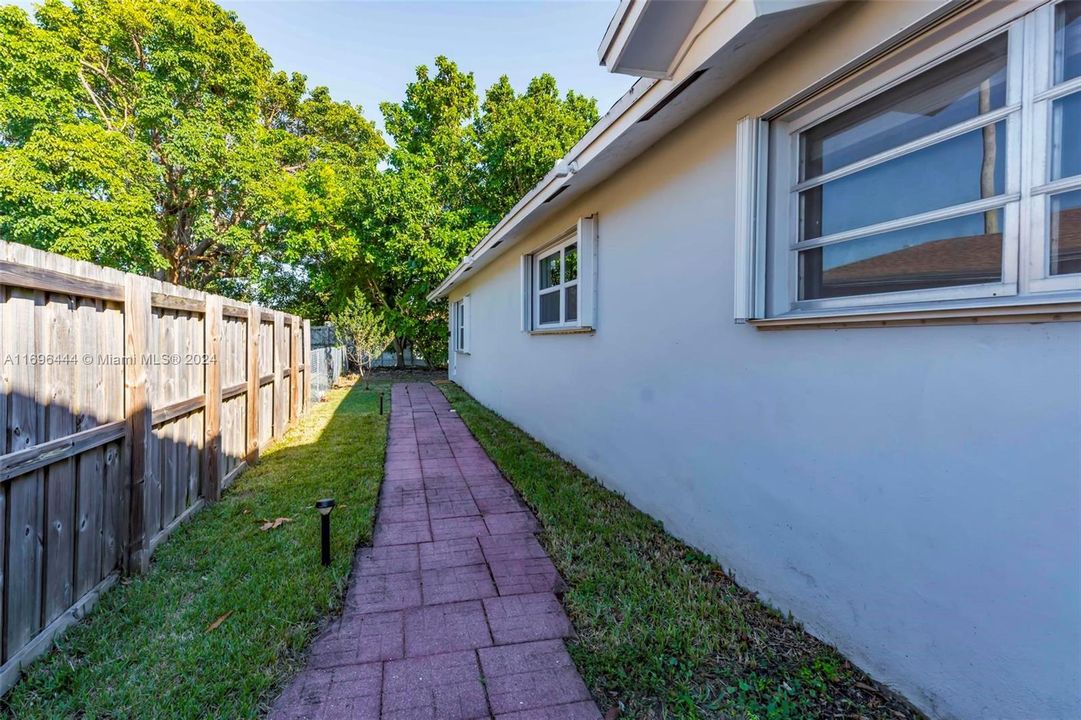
<point>460,325</point>
<point>557,282</point>
<point>557,286</point>
<point>911,188</point>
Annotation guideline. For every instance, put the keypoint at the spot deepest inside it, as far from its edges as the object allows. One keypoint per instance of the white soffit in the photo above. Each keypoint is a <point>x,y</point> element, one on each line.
<point>645,35</point>
<point>723,50</point>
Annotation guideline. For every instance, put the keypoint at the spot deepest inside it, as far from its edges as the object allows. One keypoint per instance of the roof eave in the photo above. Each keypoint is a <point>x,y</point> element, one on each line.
<point>619,136</point>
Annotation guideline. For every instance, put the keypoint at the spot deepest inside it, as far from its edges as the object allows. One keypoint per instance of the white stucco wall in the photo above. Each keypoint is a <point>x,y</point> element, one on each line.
<point>913,495</point>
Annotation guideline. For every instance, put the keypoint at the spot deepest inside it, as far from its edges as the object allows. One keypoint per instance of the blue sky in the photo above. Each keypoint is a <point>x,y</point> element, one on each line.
<point>366,52</point>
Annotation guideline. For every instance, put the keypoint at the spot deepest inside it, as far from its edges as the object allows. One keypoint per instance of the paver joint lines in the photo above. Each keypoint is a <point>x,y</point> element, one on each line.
<point>452,614</point>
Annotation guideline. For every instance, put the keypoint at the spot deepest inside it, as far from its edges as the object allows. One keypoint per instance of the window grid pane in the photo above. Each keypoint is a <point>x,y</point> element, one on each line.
<point>960,251</point>
<point>969,85</point>
<point>1067,41</point>
<point>549,308</point>
<point>962,169</point>
<point>1066,137</point>
<point>550,270</point>
<point>570,302</point>
<point>1066,233</point>
<point>570,263</point>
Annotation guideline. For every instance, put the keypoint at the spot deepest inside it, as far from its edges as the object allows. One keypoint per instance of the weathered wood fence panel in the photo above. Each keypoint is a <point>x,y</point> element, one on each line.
<point>126,404</point>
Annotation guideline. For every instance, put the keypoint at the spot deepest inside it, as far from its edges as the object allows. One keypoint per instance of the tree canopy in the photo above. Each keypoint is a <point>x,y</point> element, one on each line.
<point>456,167</point>
<point>155,136</point>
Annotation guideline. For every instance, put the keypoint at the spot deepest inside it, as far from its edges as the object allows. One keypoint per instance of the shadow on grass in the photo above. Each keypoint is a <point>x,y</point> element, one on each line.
<point>152,648</point>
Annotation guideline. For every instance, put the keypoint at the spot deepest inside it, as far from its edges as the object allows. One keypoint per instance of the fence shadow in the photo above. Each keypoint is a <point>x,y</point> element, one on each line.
<point>307,460</point>
<point>66,516</point>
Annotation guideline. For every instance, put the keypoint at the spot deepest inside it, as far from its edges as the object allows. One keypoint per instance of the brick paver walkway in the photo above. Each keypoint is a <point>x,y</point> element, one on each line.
<point>453,614</point>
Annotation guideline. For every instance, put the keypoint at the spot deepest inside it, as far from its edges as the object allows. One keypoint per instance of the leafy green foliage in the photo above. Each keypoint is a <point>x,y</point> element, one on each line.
<point>362,329</point>
<point>153,136</point>
<point>455,169</point>
<point>520,137</point>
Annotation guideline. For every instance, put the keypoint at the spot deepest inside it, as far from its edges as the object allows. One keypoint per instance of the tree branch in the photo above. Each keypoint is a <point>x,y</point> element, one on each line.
<point>94,99</point>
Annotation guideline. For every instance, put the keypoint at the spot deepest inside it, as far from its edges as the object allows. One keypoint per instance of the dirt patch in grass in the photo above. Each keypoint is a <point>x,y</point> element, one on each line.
<point>222,618</point>
<point>663,632</point>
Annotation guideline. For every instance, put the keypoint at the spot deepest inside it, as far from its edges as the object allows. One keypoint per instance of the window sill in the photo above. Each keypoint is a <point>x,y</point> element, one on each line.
<point>563,331</point>
<point>1038,311</point>
<point>461,352</point>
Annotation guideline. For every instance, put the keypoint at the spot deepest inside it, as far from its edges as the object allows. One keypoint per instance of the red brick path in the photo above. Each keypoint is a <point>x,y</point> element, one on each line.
<point>452,615</point>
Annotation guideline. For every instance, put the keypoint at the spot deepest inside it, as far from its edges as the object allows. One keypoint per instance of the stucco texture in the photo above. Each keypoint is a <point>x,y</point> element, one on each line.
<point>911,494</point>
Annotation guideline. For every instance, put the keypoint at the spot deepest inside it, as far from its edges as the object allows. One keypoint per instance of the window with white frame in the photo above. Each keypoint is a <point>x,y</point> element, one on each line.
<point>556,273</point>
<point>952,177</point>
<point>558,282</point>
<point>1056,195</point>
<point>460,322</point>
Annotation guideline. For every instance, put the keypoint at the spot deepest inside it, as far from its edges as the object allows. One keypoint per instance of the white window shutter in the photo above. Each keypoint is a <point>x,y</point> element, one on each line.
<point>453,322</point>
<point>467,322</point>
<point>587,271</point>
<point>527,293</point>
<point>751,135</point>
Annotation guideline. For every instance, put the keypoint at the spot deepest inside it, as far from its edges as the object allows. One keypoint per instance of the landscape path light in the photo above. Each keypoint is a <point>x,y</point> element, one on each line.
<point>324,507</point>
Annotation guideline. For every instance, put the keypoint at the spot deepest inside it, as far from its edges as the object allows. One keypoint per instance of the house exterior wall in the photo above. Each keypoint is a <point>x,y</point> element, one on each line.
<point>911,494</point>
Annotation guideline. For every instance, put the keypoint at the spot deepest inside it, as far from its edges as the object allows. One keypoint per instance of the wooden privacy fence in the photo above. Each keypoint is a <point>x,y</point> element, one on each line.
<point>127,402</point>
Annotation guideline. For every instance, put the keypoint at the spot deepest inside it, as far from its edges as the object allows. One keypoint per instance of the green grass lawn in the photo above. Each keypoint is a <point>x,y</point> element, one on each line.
<point>147,650</point>
<point>663,631</point>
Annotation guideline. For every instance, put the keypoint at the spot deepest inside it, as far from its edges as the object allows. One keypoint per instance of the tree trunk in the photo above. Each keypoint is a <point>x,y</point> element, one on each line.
<point>399,352</point>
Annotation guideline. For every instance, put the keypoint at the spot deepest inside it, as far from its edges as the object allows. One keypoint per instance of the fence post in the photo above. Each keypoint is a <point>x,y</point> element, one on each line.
<point>294,369</point>
<point>212,461</point>
<point>307,357</point>
<point>137,411</point>
<point>252,427</point>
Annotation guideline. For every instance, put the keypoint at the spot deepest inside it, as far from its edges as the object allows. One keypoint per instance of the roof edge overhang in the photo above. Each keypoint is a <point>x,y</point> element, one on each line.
<point>723,49</point>
<point>644,37</point>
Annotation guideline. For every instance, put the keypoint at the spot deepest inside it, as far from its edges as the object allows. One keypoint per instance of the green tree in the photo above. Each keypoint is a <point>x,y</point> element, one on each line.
<point>152,135</point>
<point>328,152</point>
<point>455,169</point>
<point>362,329</point>
<point>520,137</point>
<point>414,219</point>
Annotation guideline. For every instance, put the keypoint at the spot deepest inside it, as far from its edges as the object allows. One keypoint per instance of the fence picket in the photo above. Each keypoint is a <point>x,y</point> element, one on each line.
<point>58,338</point>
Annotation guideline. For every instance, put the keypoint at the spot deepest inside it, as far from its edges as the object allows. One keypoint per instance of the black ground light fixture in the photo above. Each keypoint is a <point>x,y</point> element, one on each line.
<point>324,507</point>
<point>380,402</point>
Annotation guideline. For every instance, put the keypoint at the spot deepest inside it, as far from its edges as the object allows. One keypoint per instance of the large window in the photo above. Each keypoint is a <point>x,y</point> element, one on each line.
<point>953,176</point>
<point>906,191</point>
<point>558,282</point>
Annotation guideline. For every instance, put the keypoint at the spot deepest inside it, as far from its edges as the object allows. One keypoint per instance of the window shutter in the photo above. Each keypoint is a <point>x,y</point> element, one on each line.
<point>527,293</point>
<point>467,323</point>
<point>751,134</point>
<point>587,271</point>
<point>453,321</point>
